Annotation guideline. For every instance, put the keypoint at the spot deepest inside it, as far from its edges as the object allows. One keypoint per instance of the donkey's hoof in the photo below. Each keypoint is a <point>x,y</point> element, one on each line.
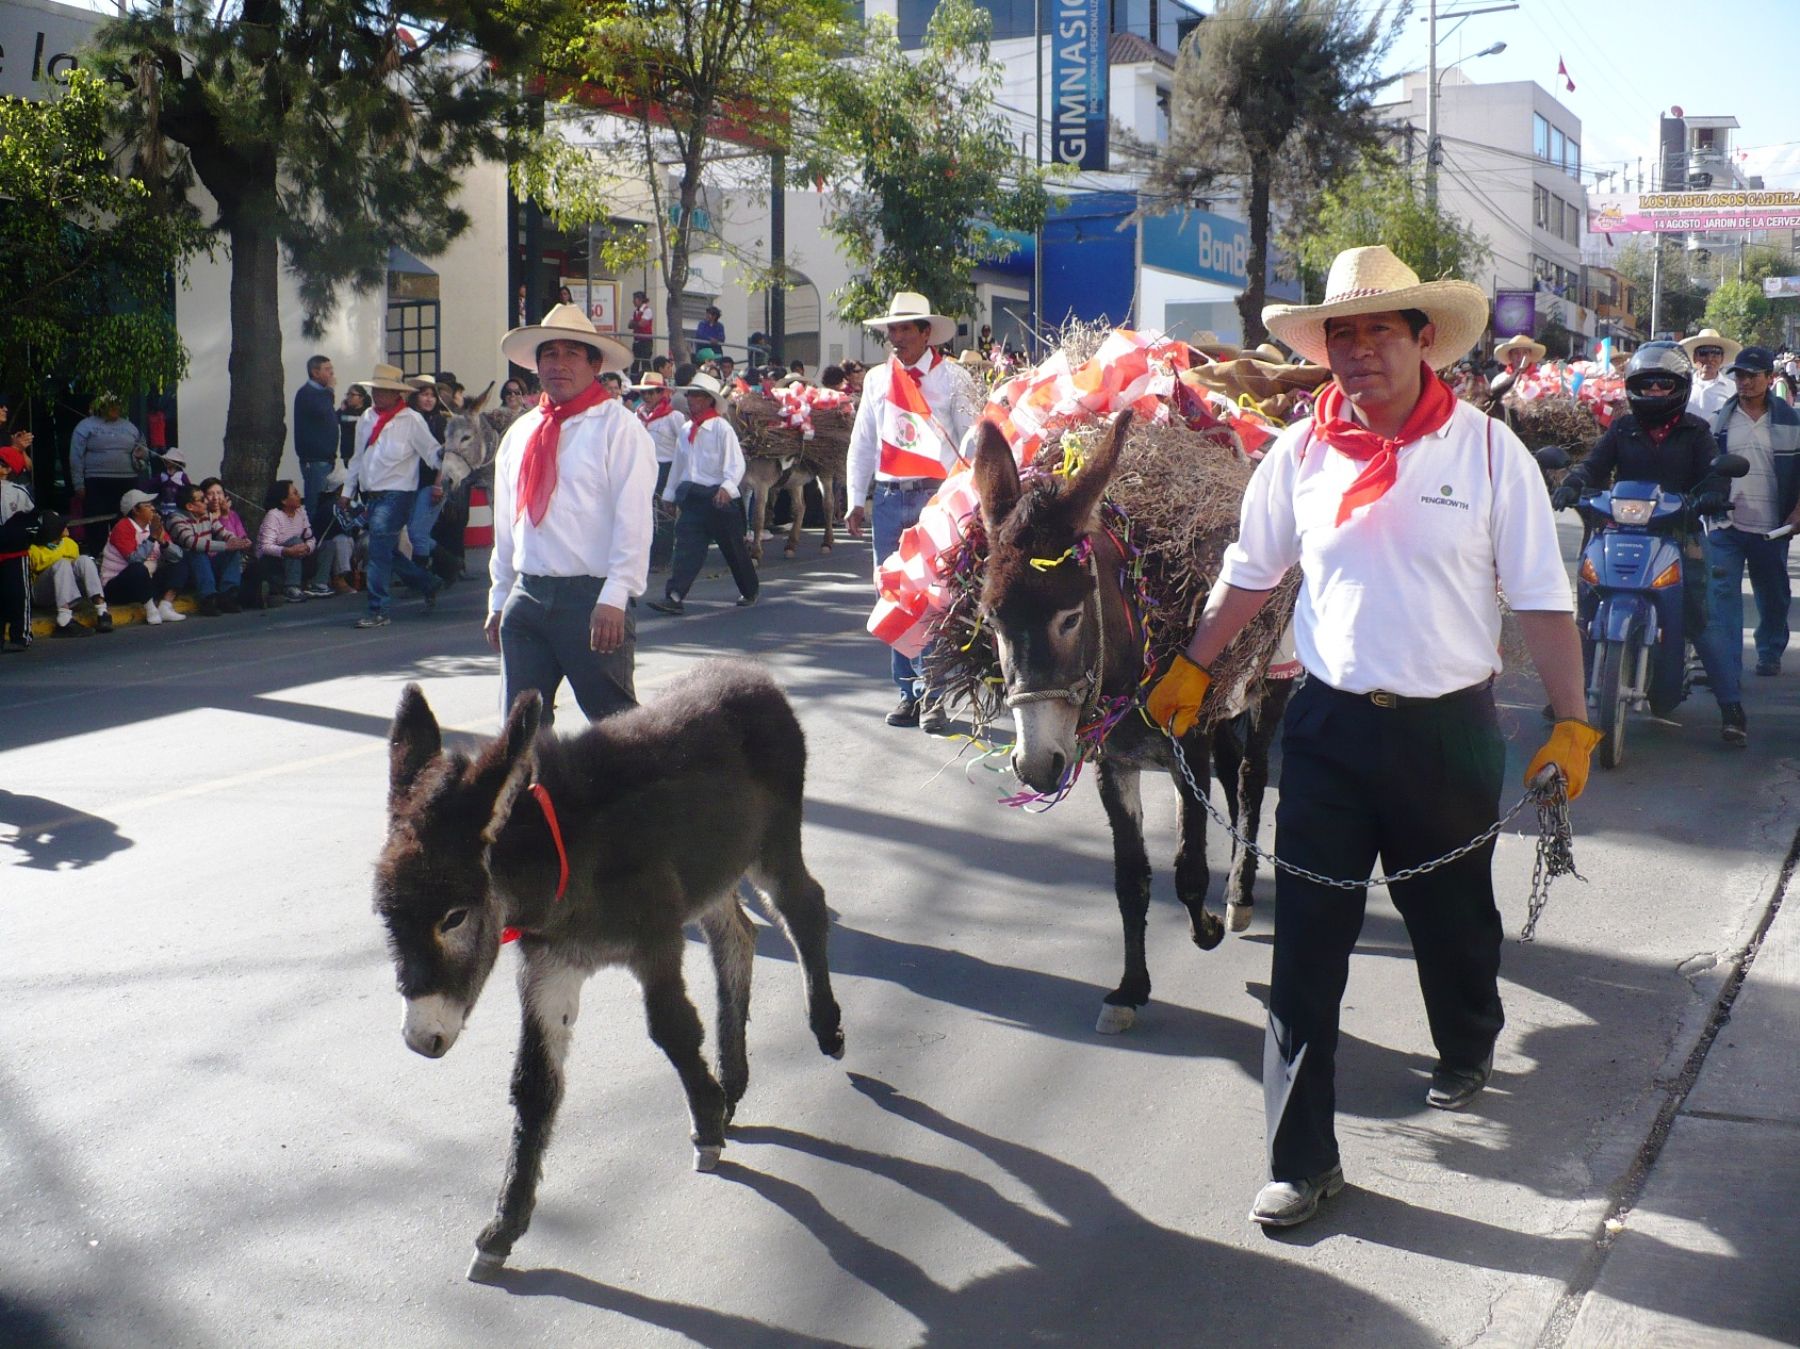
<point>1238,916</point>
<point>789,551</point>
<point>825,548</point>
<point>1209,931</point>
<point>485,1268</point>
<point>832,1045</point>
<point>1115,1020</point>
<point>706,1156</point>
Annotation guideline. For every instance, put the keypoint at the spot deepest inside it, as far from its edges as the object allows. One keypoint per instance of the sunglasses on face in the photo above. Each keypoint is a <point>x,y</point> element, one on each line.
<point>1657,385</point>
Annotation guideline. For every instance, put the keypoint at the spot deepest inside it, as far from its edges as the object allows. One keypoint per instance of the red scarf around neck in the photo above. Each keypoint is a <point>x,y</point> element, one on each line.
<point>660,409</point>
<point>1379,456</point>
<point>381,421</point>
<point>699,421</point>
<point>537,467</point>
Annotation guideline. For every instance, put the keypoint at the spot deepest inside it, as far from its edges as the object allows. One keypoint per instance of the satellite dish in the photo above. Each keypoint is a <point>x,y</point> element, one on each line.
<point>1676,111</point>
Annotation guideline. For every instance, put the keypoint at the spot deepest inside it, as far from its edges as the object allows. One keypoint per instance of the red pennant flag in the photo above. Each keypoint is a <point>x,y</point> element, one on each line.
<point>1563,70</point>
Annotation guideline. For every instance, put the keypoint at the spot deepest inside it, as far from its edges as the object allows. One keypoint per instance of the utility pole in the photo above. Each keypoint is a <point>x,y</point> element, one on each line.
<point>1656,286</point>
<point>778,252</point>
<point>1431,134</point>
<point>1037,137</point>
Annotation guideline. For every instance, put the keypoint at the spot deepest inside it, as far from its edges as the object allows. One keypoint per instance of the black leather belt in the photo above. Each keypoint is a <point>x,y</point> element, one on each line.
<point>1383,698</point>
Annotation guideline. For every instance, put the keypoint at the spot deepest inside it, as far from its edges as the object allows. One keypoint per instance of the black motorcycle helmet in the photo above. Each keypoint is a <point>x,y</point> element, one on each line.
<point>1661,361</point>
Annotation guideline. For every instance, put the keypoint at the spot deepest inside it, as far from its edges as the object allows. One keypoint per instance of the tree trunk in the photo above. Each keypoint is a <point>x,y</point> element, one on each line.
<point>255,420</point>
<point>677,278</point>
<point>1250,303</point>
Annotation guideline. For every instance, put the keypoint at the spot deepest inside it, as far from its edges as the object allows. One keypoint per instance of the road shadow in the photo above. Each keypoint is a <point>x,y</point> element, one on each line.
<point>702,1325</point>
<point>55,837</point>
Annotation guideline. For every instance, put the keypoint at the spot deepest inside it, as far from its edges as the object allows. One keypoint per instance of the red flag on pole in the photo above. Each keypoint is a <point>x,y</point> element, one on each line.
<point>1563,70</point>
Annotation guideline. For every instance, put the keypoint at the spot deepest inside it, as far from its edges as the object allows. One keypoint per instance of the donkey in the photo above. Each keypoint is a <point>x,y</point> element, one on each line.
<point>471,439</point>
<point>595,850</point>
<point>1065,638</point>
<point>765,476</point>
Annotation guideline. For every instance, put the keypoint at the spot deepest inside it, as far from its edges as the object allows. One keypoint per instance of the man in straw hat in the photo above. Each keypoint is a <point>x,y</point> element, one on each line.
<point>914,413</point>
<point>572,484</point>
<point>392,442</point>
<point>706,486</point>
<point>1519,353</point>
<point>1401,506</point>
<point>1709,350</point>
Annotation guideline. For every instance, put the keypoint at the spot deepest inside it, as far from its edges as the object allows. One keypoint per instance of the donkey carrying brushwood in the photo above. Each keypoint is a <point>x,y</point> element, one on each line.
<point>595,850</point>
<point>1067,640</point>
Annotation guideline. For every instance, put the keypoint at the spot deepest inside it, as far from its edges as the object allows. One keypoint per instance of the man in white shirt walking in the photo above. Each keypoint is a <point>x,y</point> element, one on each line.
<point>705,485</point>
<point>392,440</point>
<point>665,423</point>
<point>1402,507</point>
<point>1709,351</point>
<point>914,413</point>
<point>572,487</point>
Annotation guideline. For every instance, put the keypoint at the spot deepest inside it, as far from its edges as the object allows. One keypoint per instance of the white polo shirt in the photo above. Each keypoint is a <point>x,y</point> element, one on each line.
<point>1404,595</point>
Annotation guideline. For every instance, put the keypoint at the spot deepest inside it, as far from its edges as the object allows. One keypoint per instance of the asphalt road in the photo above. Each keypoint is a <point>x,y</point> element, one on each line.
<point>211,1132</point>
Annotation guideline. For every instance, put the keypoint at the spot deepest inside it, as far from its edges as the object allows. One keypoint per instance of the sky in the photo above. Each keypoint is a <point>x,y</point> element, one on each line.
<point>1632,60</point>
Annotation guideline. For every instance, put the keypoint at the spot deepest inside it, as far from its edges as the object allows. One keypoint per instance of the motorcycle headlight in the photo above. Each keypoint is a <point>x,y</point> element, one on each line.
<point>1633,512</point>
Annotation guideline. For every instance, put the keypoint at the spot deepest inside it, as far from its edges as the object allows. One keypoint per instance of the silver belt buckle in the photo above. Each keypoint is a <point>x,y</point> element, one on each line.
<point>1382,698</point>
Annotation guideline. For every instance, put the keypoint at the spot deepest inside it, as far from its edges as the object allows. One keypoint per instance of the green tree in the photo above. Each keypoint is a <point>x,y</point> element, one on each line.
<point>922,163</point>
<point>325,131</point>
<point>1276,95</point>
<point>87,252</point>
<point>1379,202</point>
<point>706,87</point>
<point>1739,311</point>
<point>1683,300</point>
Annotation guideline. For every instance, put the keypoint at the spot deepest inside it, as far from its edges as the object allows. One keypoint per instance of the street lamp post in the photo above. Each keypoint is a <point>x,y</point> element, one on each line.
<point>1431,99</point>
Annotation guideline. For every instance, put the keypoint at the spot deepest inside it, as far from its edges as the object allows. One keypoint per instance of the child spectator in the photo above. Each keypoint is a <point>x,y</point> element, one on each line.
<point>18,526</point>
<point>169,482</point>
<point>62,575</point>
<point>215,558</point>
<point>133,569</point>
<point>284,543</point>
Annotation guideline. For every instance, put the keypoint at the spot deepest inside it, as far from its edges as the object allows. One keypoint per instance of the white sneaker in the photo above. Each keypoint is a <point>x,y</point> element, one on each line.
<point>170,613</point>
<point>152,614</point>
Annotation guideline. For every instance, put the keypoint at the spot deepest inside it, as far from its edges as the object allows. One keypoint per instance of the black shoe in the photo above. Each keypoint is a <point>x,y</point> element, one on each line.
<point>668,604</point>
<point>1734,728</point>
<point>228,603</point>
<point>1287,1203</point>
<point>1768,668</point>
<point>208,607</point>
<point>1453,1088</point>
<point>906,714</point>
<point>104,622</point>
<point>933,720</point>
<point>70,629</point>
<point>745,601</point>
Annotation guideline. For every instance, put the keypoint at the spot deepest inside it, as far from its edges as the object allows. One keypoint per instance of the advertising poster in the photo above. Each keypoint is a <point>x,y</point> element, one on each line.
<point>1078,82</point>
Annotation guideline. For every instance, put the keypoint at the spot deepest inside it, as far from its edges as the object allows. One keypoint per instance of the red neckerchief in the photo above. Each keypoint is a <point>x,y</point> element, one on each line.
<point>537,468</point>
<point>1658,434</point>
<point>1379,456</point>
<point>541,794</point>
<point>701,420</point>
<point>663,407</point>
<point>381,421</point>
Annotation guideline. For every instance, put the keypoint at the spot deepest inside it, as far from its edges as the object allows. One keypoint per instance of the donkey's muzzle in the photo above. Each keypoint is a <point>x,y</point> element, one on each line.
<point>432,1024</point>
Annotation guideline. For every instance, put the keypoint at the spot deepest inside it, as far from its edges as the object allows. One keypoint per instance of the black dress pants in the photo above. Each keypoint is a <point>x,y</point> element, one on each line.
<point>704,522</point>
<point>1399,785</point>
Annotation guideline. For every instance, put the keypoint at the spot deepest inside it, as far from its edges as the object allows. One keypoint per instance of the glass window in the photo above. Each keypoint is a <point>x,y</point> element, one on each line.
<point>1540,134</point>
<point>1556,145</point>
<point>1131,16</point>
<point>910,18</point>
<point>1540,207</point>
<point>1572,157</point>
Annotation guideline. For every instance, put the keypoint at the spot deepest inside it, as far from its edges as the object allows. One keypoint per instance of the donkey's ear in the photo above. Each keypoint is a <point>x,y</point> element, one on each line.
<point>507,757</point>
<point>521,724</point>
<point>473,406</point>
<point>996,475</point>
<point>1083,495</point>
<point>413,741</point>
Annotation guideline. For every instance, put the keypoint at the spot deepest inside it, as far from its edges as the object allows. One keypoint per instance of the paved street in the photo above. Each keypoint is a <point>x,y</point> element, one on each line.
<point>211,1132</point>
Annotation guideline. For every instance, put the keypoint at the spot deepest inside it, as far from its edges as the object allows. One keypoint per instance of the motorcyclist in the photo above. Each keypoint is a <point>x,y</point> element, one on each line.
<point>1660,441</point>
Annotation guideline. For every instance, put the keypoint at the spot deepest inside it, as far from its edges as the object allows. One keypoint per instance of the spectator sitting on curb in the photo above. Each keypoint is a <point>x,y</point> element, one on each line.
<point>215,559</point>
<point>62,575</point>
<point>18,524</point>
<point>133,568</point>
<point>284,543</point>
<point>220,506</point>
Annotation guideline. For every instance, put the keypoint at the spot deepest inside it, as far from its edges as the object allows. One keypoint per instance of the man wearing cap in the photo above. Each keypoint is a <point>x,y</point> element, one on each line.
<point>705,484</point>
<point>1402,506</point>
<point>1755,423</point>
<point>392,442</point>
<point>914,413</point>
<point>1709,351</point>
<point>572,486</point>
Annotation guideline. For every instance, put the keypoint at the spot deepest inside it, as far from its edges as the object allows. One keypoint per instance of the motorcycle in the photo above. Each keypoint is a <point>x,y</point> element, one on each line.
<point>1631,574</point>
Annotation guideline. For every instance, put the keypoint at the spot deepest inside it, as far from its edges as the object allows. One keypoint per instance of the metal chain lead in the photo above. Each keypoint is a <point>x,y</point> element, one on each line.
<point>1555,845</point>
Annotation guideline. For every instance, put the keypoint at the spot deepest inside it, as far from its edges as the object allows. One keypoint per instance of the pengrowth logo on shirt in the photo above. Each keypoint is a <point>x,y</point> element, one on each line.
<point>1446,497</point>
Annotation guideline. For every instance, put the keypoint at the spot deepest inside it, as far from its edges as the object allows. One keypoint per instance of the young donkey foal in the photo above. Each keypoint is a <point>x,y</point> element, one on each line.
<point>595,850</point>
<point>1066,639</point>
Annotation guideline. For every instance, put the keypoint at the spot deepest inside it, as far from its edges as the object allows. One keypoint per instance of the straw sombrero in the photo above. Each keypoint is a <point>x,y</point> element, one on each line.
<point>567,323</point>
<point>1373,281</point>
<point>651,380</point>
<point>909,306</point>
<point>388,377</point>
<point>1211,344</point>
<point>1710,337</point>
<point>1521,342</point>
<point>706,384</point>
<point>973,359</point>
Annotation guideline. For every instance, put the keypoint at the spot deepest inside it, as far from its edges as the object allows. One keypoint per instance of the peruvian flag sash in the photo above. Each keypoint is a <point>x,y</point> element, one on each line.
<point>912,442</point>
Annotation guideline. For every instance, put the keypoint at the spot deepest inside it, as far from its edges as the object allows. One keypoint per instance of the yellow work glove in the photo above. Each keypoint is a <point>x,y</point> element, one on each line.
<point>1567,750</point>
<point>1175,701</point>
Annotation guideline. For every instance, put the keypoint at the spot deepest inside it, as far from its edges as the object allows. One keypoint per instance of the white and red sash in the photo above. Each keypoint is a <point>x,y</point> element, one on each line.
<point>912,440</point>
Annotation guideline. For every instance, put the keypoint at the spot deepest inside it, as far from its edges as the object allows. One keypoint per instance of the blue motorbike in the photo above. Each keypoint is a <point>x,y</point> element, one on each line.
<point>1632,616</point>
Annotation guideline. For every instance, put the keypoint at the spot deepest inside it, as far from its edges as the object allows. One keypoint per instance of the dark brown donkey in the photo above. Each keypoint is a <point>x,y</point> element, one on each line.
<point>595,850</point>
<point>1065,641</point>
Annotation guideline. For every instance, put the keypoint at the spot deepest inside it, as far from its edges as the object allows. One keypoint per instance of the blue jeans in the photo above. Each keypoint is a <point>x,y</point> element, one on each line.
<point>388,514</point>
<point>424,516</point>
<point>312,491</point>
<point>896,511</point>
<point>213,572</point>
<point>1730,552</point>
